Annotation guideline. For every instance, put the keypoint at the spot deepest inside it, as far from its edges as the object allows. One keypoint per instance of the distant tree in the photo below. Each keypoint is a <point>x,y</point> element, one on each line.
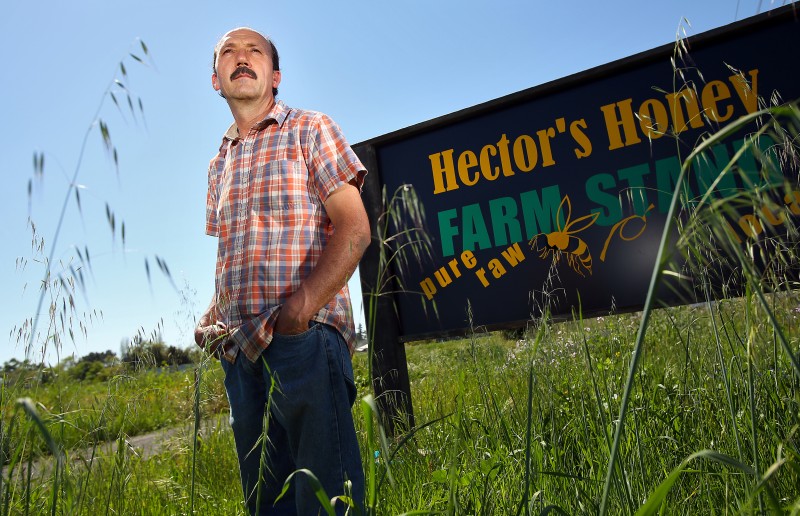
<point>178,356</point>
<point>11,365</point>
<point>85,371</point>
<point>106,357</point>
<point>14,371</point>
<point>137,355</point>
<point>15,365</point>
<point>94,367</point>
<point>144,354</point>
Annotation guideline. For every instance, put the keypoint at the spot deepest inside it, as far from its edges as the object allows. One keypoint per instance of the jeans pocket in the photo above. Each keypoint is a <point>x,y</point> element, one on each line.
<point>295,352</point>
<point>297,336</point>
<point>352,391</point>
<point>346,364</point>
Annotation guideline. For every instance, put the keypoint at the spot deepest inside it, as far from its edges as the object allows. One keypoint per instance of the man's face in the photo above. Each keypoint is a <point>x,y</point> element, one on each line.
<point>244,67</point>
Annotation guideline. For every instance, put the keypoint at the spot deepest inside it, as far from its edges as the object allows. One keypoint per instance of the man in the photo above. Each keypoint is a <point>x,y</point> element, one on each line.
<point>284,202</point>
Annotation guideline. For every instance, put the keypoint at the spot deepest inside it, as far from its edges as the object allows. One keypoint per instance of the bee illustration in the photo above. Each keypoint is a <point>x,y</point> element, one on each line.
<point>563,241</point>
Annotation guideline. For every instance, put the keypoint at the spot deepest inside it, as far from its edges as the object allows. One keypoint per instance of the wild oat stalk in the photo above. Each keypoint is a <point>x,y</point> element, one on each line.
<point>118,84</point>
<point>403,242</point>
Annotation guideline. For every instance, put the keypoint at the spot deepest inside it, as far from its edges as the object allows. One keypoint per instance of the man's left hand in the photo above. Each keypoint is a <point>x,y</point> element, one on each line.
<point>290,325</point>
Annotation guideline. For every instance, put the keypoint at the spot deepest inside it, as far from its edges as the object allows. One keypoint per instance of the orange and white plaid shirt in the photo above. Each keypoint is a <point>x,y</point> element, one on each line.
<point>266,204</point>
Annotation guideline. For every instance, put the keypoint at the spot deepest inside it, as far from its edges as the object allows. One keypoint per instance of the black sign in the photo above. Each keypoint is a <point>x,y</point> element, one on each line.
<point>558,195</point>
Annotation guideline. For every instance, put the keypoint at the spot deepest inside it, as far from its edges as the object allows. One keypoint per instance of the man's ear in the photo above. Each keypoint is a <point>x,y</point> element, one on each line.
<point>276,78</point>
<point>215,82</point>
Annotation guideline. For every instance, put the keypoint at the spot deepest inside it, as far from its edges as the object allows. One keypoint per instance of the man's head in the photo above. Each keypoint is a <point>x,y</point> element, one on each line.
<point>246,66</point>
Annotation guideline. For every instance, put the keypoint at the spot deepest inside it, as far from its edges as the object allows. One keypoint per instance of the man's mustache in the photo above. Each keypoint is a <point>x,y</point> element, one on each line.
<point>243,70</point>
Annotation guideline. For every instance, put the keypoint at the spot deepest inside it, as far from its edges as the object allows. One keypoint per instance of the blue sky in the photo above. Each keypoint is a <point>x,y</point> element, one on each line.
<point>375,67</point>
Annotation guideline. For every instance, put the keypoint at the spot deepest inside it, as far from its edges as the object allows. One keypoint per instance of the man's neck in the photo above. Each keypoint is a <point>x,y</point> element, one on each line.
<point>246,115</point>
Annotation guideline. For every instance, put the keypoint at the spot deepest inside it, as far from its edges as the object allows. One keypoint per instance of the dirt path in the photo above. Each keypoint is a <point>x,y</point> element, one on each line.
<point>144,446</point>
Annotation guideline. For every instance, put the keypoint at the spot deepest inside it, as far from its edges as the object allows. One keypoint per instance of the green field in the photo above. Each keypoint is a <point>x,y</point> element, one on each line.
<point>504,426</point>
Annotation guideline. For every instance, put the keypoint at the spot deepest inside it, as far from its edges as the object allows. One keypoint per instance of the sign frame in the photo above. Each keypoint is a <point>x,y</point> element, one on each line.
<point>390,371</point>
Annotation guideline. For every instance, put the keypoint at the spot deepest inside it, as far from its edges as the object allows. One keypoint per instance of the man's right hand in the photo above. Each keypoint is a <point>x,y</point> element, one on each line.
<point>210,334</point>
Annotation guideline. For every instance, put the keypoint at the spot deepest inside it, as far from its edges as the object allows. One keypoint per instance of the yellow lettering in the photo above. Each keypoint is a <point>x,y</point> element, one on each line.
<point>775,220</point>
<point>733,233</point>
<point>486,167</point>
<point>751,226</point>
<point>428,288</point>
<point>442,277</point>
<point>514,255</point>
<point>497,268</point>
<point>688,98</point>
<point>625,121</point>
<point>544,144</point>
<point>505,158</point>
<point>443,169</point>
<point>653,119</point>
<point>468,259</point>
<point>466,161</point>
<point>792,200</point>
<point>454,267</point>
<point>525,153</point>
<point>748,92</point>
<point>580,138</point>
<point>713,93</point>
<point>481,274</point>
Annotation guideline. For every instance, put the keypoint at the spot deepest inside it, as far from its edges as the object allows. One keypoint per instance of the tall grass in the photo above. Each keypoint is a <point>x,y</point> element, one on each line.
<point>402,243</point>
<point>507,427</point>
<point>61,280</point>
<point>707,219</point>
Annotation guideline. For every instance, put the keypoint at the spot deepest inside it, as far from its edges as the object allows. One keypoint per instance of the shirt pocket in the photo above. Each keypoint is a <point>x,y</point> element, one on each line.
<point>281,186</point>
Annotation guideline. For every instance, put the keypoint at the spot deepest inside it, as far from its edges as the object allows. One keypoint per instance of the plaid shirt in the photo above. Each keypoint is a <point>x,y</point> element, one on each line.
<point>266,195</point>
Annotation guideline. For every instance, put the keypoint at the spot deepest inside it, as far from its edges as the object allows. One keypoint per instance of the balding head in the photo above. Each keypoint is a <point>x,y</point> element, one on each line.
<point>271,46</point>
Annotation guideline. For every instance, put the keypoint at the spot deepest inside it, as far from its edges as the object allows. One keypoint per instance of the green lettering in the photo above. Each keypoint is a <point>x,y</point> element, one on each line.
<point>635,178</point>
<point>761,171</point>
<point>475,231</point>
<point>539,212</point>
<point>505,225</point>
<point>447,231</point>
<point>595,191</point>
<point>709,169</point>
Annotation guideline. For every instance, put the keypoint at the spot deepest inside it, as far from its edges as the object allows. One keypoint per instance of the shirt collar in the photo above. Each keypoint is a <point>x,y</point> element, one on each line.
<point>278,113</point>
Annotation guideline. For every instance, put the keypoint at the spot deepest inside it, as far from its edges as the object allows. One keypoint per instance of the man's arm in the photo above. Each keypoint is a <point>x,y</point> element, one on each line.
<point>337,263</point>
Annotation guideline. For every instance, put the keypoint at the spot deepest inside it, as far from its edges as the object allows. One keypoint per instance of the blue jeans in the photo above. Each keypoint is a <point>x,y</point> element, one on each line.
<point>308,419</point>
